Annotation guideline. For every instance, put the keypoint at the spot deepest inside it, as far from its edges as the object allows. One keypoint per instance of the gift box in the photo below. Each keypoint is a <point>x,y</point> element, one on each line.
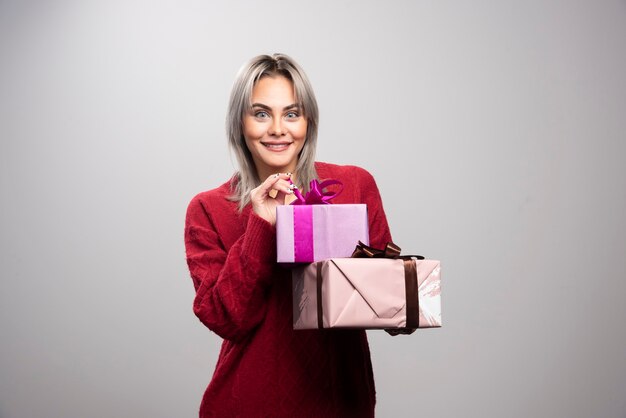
<point>311,229</point>
<point>367,293</point>
<point>309,233</point>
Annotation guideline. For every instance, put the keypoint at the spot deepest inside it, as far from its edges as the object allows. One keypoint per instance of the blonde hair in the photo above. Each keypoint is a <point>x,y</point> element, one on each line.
<point>239,104</point>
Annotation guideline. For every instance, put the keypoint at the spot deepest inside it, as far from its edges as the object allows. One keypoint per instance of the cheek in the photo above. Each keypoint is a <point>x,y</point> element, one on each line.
<point>249,144</point>
<point>252,130</point>
<point>300,131</point>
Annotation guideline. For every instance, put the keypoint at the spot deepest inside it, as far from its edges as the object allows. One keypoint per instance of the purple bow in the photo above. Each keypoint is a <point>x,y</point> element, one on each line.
<point>316,195</point>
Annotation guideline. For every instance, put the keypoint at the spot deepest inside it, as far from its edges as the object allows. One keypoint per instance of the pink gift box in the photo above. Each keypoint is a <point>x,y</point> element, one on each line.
<point>308,233</point>
<point>366,293</point>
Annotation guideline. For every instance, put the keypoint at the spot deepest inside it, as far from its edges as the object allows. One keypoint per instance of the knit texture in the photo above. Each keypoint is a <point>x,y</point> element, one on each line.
<point>265,368</point>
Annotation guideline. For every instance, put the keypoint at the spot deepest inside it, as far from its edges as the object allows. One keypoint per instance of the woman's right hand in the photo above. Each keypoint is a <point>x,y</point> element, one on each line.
<point>263,204</point>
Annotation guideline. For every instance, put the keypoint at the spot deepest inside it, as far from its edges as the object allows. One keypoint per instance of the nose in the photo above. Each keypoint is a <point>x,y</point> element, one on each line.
<point>276,128</point>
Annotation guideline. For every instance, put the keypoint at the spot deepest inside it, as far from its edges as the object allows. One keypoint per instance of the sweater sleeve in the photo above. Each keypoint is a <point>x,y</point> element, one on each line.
<point>230,286</point>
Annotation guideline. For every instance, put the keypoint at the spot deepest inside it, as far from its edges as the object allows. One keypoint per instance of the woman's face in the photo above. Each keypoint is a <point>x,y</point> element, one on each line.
<point>274,128</point>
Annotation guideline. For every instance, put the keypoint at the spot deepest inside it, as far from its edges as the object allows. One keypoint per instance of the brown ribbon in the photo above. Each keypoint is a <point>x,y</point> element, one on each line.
<point>410,280</point>
<point>412,297</point>
<point>320,317</point>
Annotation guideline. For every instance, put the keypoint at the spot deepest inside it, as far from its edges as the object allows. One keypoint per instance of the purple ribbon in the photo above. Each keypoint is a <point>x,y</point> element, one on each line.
<point>303,239</point>
<point>316,194</point>
<point>303,234</point>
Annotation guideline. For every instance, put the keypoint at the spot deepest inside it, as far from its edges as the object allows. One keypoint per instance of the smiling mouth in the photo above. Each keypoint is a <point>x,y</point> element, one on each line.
<point>279,146</point>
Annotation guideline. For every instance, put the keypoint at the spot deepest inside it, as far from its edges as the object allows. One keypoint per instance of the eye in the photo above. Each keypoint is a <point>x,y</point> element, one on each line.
<point>292,115</point>
<point>261,114</point>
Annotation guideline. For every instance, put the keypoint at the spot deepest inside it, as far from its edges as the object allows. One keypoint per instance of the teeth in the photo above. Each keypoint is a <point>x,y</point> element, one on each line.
<point>276,145</point>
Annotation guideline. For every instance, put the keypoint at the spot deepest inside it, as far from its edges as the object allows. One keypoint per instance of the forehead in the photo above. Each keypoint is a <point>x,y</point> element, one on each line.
<point>275,89</point>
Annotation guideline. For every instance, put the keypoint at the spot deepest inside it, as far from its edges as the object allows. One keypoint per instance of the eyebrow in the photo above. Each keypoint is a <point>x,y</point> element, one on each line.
<point>266,107</point>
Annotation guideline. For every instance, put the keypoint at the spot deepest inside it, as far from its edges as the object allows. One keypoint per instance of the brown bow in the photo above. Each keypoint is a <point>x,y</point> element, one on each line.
<point>365,251</point>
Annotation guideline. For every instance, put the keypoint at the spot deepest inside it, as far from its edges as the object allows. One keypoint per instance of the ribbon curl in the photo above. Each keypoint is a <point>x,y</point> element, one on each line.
<point>316,194</point>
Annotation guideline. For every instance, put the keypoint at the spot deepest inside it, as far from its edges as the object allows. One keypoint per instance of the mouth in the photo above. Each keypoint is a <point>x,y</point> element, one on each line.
<point>276,146</point>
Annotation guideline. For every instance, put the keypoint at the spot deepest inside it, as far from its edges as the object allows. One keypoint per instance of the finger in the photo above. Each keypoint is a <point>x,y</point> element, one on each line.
<point>283,176</point>
<point>283,187</point>
<point>271,180</point>
<point>265,188</point>
<point>272,186</point>
<point>280,185</point>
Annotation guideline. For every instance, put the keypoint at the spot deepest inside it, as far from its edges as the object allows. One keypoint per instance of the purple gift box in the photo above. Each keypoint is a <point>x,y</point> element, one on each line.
<point>308,233</point>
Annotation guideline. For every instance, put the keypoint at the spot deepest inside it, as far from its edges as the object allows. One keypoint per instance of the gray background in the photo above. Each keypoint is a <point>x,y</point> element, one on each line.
<point>495,130</point>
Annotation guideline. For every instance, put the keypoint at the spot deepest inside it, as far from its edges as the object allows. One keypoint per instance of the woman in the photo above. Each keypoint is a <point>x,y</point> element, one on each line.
<point>265,368</point>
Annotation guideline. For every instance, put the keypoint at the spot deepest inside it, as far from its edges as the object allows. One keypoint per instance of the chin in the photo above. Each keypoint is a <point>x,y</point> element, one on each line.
<point>279,162</point>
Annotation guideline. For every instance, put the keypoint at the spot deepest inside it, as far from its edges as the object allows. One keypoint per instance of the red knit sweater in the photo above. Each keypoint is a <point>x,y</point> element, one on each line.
<point>265,368</point>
